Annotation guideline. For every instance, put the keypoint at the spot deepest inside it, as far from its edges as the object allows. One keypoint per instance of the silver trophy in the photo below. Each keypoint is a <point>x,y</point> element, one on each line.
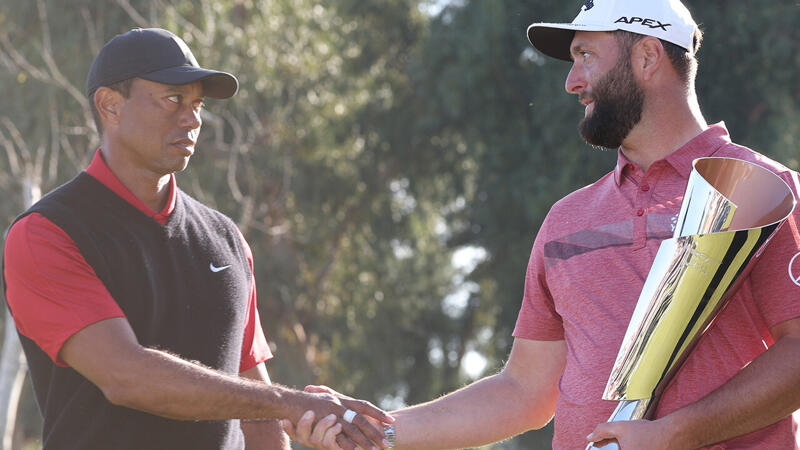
<point>730,211</point>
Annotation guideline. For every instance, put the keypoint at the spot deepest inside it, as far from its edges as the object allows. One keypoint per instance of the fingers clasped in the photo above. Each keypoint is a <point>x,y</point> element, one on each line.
<point>322,436</point>
<point>352,424</point>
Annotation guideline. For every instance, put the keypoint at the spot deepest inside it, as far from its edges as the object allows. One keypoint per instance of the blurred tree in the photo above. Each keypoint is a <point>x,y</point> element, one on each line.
<point>749,67</point>
<point>35,149</point>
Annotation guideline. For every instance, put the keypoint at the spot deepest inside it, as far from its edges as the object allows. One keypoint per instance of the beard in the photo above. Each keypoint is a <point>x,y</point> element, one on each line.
<point>618,104</point>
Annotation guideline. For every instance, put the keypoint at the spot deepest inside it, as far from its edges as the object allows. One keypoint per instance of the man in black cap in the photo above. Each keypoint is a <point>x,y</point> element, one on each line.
<point>135,303</point>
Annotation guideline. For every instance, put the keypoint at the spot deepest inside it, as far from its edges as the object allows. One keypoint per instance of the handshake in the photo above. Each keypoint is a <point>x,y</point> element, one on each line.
<point>332,421</point>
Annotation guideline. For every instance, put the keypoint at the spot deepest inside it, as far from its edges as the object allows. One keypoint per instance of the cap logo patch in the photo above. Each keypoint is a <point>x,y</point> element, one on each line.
<point>652,23</point>
<point>588,5</point>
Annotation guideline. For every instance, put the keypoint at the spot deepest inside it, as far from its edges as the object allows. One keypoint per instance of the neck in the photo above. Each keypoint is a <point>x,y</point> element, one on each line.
<point>149,187</point>
<point>668,122</point>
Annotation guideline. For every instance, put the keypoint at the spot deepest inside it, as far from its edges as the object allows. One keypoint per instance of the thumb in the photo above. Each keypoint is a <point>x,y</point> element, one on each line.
<point>602,432</point>
<point>320,390</point>
<point>288,427</point>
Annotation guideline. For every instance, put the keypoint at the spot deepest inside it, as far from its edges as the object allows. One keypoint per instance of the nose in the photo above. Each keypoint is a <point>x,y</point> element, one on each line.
<point>576,82</point>
<point>190,118</point>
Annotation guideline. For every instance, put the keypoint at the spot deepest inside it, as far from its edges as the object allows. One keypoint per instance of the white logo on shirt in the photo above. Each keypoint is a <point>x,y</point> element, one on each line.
<point>795,278</point>
<point>217,269</point>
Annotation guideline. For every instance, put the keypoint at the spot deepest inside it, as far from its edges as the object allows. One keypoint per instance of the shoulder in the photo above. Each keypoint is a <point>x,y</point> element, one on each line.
<point>733,150</point>
<point>791,178</point>
<point>200,209</point>
<point>30,227</point>
<point>578,197</point>
<point>34,241</point>
<point>79,191</point>
<point>211,219</point>
<point>578,202</point>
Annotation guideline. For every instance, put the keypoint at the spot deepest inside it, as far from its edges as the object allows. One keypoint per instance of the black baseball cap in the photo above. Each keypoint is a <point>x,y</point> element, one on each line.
<point>156,55</point>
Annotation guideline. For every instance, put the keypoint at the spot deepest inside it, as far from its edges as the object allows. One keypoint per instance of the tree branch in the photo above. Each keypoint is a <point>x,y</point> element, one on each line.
<point>16,137</point>
<point>55,72</point>
<point>137,18</point>
<point>13,162</point>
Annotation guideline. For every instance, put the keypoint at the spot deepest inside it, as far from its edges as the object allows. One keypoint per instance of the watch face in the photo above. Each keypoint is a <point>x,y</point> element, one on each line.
<point>388,433</point>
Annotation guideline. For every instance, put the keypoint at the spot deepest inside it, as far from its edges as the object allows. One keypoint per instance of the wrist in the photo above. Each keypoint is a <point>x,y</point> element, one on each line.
<point>676,433</point>
<point>287,404</point>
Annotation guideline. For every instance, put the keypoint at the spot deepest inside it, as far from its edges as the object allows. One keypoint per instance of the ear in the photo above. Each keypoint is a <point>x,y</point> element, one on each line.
<point>647,57</point>
<point>108,103</point>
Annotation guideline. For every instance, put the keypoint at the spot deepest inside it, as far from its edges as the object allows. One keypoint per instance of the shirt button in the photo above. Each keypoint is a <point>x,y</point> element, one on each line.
<point>644,187</point>
<point>640,212</point>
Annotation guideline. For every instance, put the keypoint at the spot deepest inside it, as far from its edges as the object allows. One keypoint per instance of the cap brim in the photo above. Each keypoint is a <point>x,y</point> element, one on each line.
<point>215,84</point>
<point>554,39</point>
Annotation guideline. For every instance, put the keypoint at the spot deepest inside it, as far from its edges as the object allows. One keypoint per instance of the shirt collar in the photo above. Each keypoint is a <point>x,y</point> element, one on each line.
<point>102,173</point>
<point>704,144</point>
<point>622,165</point>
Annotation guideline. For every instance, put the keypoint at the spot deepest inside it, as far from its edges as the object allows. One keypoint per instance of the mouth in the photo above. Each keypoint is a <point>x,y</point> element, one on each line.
<point>589,108</point>
<point>185,145</point>
<point>588,102</point>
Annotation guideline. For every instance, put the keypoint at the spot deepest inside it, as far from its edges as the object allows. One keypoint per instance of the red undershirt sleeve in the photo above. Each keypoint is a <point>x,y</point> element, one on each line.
<point>50,288</point>
<point>255,349</point>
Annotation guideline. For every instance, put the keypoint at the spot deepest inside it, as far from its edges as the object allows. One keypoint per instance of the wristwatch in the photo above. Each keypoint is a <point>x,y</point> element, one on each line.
<point>388,433</point>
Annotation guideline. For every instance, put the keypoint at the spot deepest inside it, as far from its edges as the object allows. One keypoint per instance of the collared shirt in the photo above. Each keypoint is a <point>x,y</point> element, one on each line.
<point>55,293</point>
<point>587,268</point>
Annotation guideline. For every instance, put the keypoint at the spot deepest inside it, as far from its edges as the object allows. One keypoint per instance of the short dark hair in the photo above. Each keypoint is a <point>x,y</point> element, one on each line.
<point>684,61</point>
<point>123,87</point>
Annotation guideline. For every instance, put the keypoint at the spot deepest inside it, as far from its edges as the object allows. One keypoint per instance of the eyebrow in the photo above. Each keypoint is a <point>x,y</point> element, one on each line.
<point>575,49</point>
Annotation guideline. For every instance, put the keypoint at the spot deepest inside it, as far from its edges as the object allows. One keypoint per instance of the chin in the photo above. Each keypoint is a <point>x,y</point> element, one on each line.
<point>177,165</point>
<point>182,165</point>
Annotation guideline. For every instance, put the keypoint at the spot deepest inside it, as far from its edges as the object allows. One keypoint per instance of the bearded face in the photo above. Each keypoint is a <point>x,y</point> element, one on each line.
<point>618,102</point>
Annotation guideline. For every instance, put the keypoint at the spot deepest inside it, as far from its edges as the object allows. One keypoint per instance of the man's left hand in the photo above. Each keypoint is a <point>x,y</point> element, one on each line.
<point>635,435</point>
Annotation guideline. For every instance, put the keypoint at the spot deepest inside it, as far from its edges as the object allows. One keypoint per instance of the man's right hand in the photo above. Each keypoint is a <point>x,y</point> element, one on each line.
<point>365,430</point>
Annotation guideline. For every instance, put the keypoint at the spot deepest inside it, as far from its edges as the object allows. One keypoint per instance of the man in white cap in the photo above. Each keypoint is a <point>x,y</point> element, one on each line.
<point>633,66</point>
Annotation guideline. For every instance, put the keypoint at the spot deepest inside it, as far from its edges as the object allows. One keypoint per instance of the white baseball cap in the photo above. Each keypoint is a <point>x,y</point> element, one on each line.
<point>664,19</point>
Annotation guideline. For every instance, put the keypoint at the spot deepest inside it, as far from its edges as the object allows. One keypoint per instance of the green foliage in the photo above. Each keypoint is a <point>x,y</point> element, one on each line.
<point>748,74</point>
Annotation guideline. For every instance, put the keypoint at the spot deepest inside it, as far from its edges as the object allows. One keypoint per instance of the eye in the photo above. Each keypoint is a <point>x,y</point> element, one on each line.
<point>174,98</point>
<point>198,105</point>
<point>580,54</point>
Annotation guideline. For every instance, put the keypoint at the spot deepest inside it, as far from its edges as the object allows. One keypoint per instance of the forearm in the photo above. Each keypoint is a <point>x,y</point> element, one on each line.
<point>108,354</point>
<point>165,385</point>
<point>764,392</point>
<point>487,411</point>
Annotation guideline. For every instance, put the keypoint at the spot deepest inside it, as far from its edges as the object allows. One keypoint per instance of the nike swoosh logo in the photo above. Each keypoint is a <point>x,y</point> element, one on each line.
<point>217,269</point>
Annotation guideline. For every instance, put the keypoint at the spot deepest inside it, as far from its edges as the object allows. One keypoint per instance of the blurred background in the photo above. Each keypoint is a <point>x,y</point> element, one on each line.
<point>389,161</point>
